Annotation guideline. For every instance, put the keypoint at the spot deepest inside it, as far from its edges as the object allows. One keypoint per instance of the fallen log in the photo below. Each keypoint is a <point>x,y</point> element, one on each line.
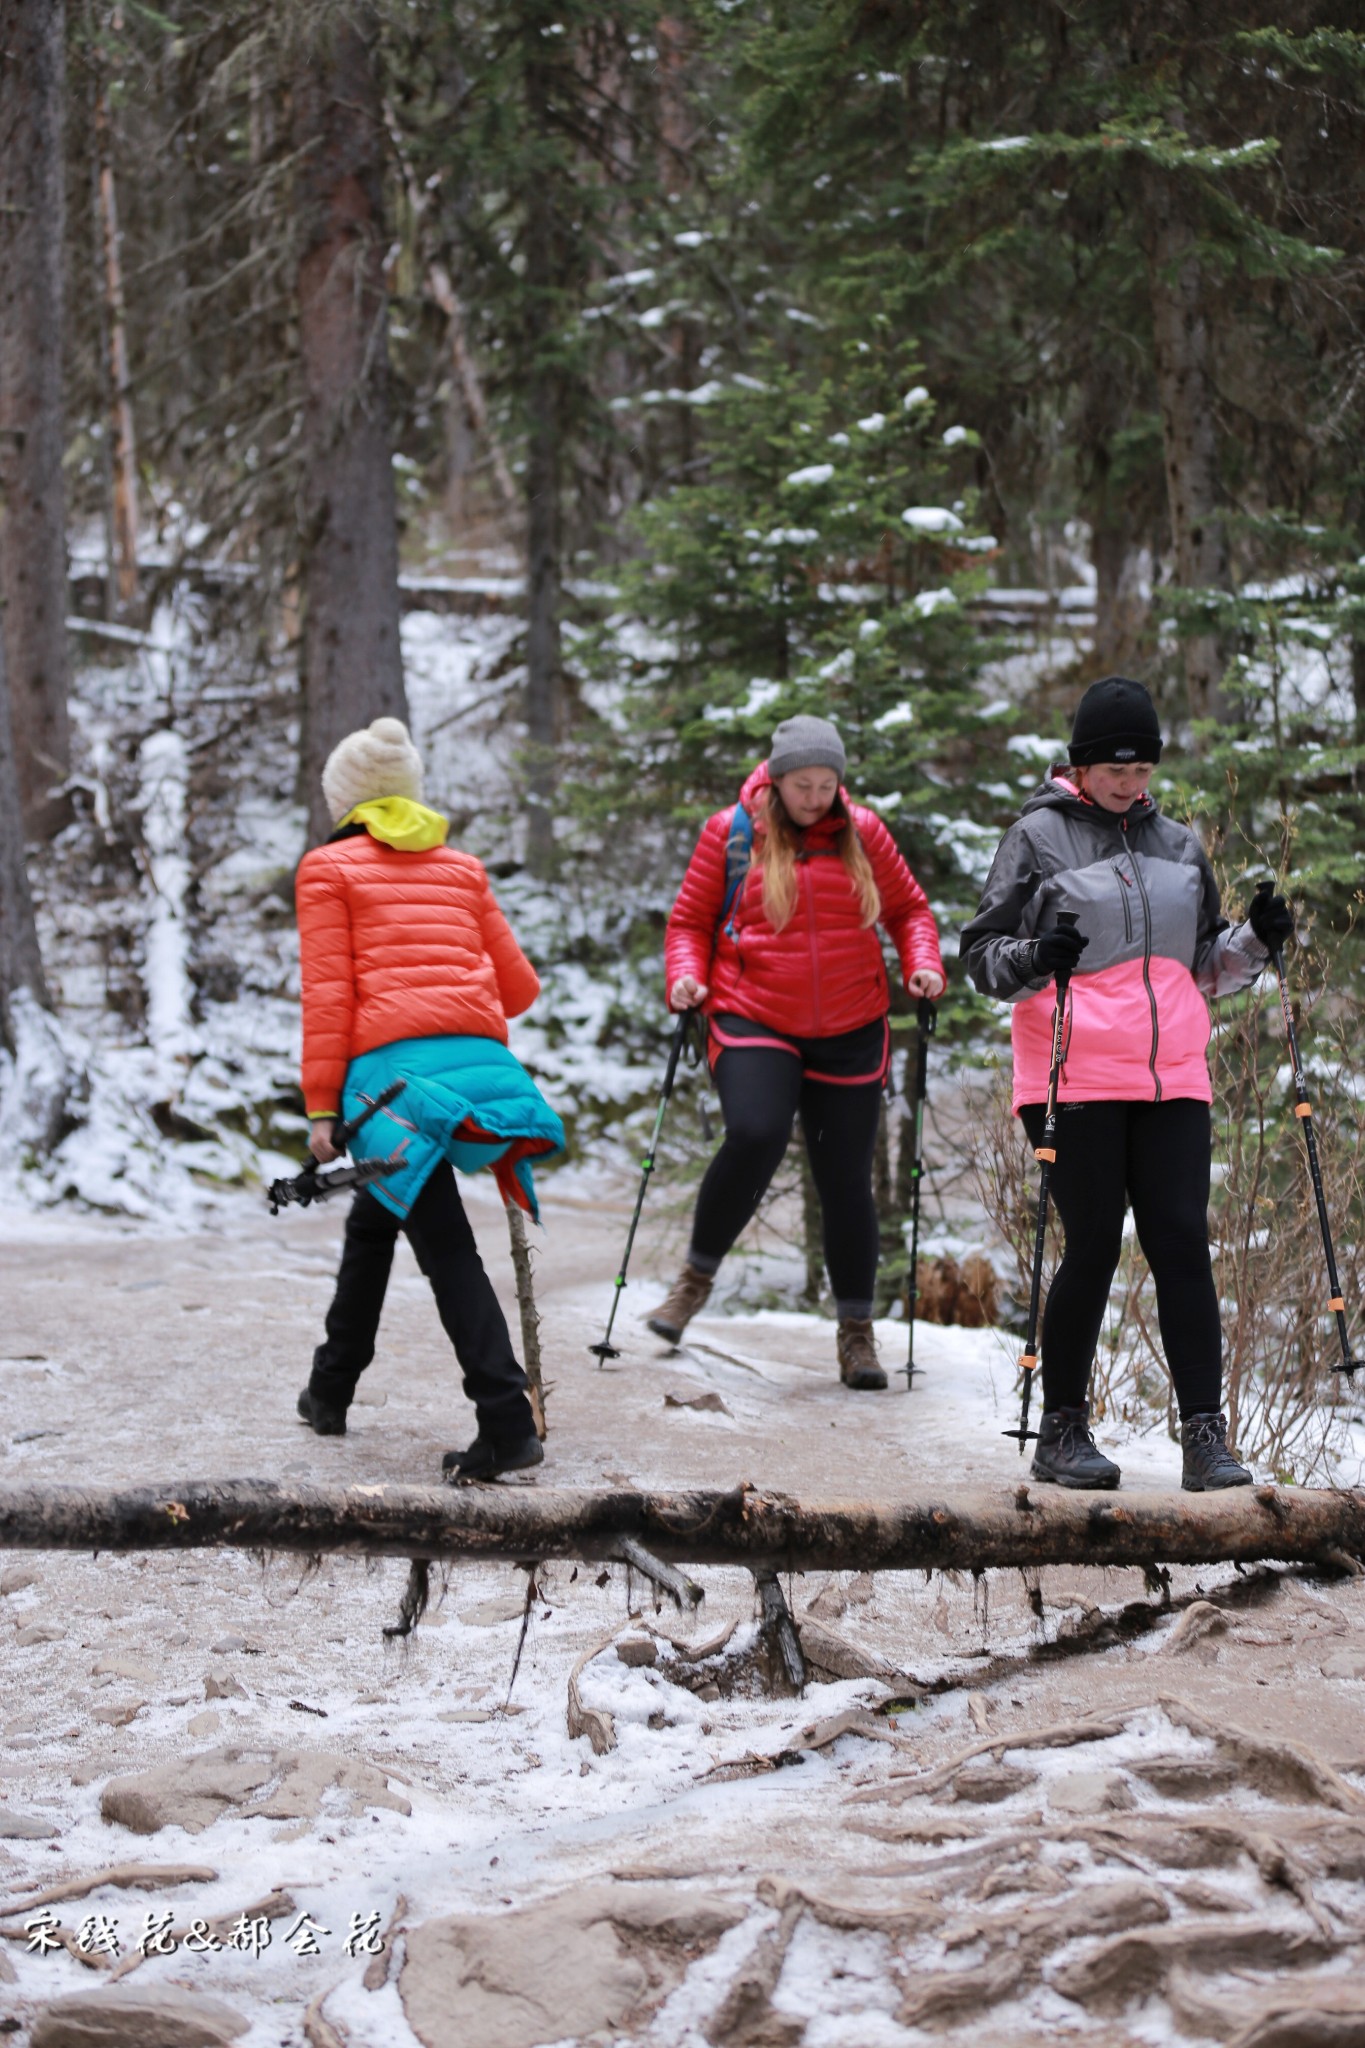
<point>973,1530</point>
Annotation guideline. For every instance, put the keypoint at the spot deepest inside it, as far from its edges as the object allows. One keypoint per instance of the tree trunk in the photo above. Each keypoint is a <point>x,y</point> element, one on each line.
<point>1121,610</point>
<point>544,541</point>
<point>973,1529</point>
<point>467,400</point>
<point>351,663</point>
<point>1180,341</point>
<point>122,445</point>
<point>21,965</point>
<point>32,500</point>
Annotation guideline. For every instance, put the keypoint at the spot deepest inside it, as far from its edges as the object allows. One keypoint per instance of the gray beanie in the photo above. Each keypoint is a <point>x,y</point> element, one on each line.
<point>805,742</point>
<point>378,761</point>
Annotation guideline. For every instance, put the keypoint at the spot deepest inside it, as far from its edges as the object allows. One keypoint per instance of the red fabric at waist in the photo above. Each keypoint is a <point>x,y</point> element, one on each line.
<point>808,1051</point>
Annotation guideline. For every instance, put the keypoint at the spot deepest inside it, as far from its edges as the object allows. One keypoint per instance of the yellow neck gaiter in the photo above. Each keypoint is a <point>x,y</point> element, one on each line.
<point>400,822</point>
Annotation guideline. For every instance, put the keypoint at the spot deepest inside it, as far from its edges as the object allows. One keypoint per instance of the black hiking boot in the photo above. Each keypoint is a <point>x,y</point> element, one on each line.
<point>484,1459</point>
<point>1209,1464</point>
<point>1067,1453</point>
<point>690,1291</point>
<point>321,1415</point>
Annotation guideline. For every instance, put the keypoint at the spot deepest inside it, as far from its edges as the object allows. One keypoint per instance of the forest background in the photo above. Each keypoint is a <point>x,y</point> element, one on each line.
<point>608,383</point>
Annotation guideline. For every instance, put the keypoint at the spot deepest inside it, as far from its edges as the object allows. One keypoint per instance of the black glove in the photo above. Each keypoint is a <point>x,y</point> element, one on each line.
<point>1271,920</point>
<point>1058,951</point>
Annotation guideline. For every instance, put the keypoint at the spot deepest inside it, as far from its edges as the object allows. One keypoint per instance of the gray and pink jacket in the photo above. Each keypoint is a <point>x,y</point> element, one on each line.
<point>1137,1022</point>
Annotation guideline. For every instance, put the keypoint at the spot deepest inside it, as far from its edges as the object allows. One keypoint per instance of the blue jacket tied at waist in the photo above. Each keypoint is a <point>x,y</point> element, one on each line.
<point>468,1100</point>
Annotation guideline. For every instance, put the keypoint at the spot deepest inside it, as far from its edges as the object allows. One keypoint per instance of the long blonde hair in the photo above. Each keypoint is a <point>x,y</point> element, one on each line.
<point>776,848</point>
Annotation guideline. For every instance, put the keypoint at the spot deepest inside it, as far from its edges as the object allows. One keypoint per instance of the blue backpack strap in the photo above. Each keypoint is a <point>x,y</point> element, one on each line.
<point>739,849</point>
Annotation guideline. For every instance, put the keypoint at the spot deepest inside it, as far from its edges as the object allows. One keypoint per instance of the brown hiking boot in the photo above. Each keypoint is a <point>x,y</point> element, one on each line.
<point>859,1366</point>
<point>691,1291</point>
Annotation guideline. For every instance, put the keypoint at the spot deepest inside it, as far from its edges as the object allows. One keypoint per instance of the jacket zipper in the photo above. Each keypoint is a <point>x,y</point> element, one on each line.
<point>1124,887</point>
<point>1147,968</point>
<point>808,890</point>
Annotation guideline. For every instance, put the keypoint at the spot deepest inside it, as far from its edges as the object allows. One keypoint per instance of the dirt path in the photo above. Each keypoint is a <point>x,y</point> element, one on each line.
<point>1181,1860</point>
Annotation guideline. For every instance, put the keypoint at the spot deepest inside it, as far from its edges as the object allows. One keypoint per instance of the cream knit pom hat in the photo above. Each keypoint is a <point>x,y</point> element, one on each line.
<point>379,761</point>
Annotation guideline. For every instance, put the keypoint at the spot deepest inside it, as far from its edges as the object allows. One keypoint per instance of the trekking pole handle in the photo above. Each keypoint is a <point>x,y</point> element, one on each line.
<point>1067,921</point>
<point>680,1035</point>
<point>1266,890</point>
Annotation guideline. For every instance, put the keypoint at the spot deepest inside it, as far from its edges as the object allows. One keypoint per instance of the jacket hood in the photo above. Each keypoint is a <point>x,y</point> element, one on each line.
<point>401,822</point>
<point>1060,793</point>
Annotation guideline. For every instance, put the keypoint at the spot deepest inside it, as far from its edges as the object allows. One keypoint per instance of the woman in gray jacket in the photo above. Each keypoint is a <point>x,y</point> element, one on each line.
<point>1150,945</point>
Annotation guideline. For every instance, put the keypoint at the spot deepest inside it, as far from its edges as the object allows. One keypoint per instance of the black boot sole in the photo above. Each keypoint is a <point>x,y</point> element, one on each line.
<point>1077,1485</point>
<point>672,1333</point>
<point>1218,1485</point>
<point>522,1459</point>
<point>322,1421</point>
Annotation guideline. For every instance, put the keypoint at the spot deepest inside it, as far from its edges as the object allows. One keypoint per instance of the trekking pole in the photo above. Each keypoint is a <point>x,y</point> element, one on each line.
<point>309,1186</point>
<point>1045,1154</point>
<point>1303,1110</point>
<point>606,1349</point>
<point>926,1018</point>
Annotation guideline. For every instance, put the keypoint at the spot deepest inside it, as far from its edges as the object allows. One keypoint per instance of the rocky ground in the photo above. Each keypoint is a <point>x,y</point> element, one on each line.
<point>1012,1812</point>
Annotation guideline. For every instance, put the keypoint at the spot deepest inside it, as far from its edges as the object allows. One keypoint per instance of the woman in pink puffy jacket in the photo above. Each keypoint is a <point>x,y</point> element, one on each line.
<point>794,986</point>
<point>1150,945</point>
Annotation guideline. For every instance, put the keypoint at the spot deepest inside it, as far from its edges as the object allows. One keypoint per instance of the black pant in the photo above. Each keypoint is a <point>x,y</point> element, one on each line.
<point>439,1233</point>
<point>760,1093</point>
<point>1156,1156</point>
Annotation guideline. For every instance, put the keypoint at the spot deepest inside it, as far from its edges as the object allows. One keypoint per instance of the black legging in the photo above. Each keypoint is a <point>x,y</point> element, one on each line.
<point>438,1231</point>
<point>1156,1156</point>
<point>760,1092</point>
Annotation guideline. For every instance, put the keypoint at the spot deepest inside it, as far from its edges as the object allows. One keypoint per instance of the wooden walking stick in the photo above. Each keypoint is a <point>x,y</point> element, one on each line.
<point>530,1315</point>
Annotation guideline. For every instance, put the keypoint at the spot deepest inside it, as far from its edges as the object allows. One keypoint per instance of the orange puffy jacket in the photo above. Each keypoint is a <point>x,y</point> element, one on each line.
<point>397,945</point>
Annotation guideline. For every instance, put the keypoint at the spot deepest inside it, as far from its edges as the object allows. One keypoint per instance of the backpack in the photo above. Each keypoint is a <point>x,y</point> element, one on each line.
<point>739,849</point>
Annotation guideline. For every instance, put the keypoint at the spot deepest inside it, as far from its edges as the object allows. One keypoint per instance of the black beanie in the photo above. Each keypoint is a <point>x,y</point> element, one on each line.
<point>1115,721</point>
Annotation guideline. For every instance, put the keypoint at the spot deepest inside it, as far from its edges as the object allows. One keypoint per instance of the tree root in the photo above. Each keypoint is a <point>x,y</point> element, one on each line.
<point>594,1722</point>
<point>1061,1735</point>
<point>125,1876</point>
<point>745,2017</point>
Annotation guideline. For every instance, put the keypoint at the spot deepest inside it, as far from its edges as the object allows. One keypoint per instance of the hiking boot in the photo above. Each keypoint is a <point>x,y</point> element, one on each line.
<point>691,1291</point>
<point>1209,1464</point>
<point>1067,1453</point>
<point>859,1365</point>
<point>484,1459</point>
<point>321,1415</point>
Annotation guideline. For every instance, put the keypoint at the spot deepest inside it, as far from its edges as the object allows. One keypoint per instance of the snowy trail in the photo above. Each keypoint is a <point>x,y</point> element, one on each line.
<point>1104,1885</point>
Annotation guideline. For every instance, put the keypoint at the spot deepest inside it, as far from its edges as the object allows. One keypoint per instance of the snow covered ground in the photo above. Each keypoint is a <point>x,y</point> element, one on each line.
<point>1181,1856</point>
<point>1013,1810</point>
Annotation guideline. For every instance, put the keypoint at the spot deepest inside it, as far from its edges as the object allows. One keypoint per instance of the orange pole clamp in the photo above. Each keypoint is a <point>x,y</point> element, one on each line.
<point>1045,1152</point>
<point>1027,1360</point>
<point>1303,1109</point>
<point>1336,1302</point>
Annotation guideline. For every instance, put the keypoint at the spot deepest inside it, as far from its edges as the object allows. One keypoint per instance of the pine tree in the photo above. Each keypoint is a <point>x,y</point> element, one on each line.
<point>528,118</point>
<point>32,420</point>
<point>1028,190</point>
<point>352,664</point>
<point>21,965</point>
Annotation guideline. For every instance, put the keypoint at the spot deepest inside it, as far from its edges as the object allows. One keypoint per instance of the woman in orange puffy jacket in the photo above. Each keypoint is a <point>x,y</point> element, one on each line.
<point>796,996</point>
<point>409,973</point>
